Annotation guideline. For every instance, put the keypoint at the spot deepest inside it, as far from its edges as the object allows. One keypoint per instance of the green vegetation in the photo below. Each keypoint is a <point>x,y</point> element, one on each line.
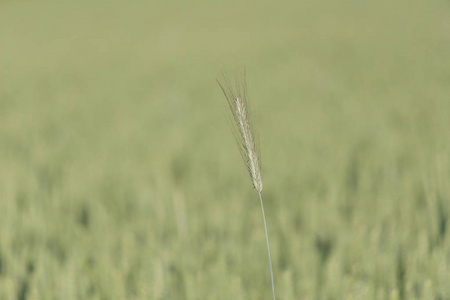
<point>119,178</point>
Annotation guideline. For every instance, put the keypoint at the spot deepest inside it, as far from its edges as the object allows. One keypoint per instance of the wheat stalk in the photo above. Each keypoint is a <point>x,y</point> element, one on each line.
<point>244,133</point>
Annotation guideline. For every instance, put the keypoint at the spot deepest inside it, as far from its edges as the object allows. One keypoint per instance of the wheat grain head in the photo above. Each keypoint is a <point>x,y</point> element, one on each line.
<point>242,126</point>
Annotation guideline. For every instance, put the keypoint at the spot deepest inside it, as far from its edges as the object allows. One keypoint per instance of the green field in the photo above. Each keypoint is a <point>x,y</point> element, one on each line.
<point>120,178</point>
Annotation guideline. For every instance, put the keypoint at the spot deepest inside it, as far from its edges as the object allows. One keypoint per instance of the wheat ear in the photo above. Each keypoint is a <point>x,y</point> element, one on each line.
<point>244,133</point>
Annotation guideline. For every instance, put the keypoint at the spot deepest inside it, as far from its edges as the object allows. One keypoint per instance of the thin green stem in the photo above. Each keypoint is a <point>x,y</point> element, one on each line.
<point>268,247</point>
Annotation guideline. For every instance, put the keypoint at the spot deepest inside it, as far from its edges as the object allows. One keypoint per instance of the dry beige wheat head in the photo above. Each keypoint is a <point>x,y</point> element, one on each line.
<point>243,128</point>
<point>244,133</point>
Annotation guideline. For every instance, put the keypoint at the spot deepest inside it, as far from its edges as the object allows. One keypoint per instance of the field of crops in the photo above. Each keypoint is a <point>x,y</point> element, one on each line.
<point>120,177</point>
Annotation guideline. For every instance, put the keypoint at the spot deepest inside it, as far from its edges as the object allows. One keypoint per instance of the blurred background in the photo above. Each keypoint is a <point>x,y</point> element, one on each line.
<point>120,178</point>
